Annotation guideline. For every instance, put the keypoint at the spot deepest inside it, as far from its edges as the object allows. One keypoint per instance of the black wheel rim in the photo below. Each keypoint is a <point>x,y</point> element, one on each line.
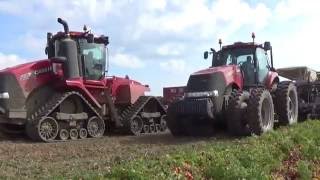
<point>48,129</point>
<point>95,127</point>
<point>64,134</point>
<point>136,125</point>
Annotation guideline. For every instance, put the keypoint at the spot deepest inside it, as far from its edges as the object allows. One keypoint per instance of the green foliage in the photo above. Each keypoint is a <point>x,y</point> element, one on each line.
<point>304,170</point>
<point>272,155</point>
<point>249,158</point>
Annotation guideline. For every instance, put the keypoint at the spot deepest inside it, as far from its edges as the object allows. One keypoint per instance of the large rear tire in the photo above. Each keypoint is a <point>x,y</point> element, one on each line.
<point>286,101</point>
<point>236,113</point>
<point>260,111</point>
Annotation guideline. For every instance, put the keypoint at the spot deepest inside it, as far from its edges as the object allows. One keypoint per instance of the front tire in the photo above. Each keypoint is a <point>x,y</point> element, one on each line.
<point>260,111</point>
<point>236,118</point>
<point>174,122</point>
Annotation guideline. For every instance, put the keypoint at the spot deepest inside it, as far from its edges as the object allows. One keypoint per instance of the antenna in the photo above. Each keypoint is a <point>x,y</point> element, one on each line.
<point>220,42</point>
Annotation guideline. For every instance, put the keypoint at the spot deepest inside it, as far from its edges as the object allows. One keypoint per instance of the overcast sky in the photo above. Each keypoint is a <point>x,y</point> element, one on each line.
<point>160,42</point>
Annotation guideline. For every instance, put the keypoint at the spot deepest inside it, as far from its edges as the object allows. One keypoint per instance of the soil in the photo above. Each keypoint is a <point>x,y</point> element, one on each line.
<point>22,157</point>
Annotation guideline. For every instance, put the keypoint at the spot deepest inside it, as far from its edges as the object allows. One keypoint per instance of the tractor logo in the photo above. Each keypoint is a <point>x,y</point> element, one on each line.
<point>35,73</point>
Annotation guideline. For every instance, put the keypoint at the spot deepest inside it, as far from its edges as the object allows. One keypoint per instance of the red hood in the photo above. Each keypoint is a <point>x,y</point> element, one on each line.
<point>24,66</point>
<point>223,69</point>
<point>232,74</point>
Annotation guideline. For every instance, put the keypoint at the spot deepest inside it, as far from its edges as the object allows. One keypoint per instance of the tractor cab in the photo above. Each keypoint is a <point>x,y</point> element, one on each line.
<point>82,54</point>
<point>251,58</point>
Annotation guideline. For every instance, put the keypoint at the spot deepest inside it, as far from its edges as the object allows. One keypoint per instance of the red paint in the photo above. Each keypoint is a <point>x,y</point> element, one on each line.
<point>170,94</point>
<point>272,76</point>
<point>232,74</point>
<point>125,90</point>
<point>33,75</point>
<point>29,77</point>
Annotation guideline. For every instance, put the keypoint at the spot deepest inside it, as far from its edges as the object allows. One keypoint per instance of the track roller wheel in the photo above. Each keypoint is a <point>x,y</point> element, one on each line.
<point>158,127</point>
<point>286,101</point>
<point>260,111</point>
<point>236,118</point>
<point>74,134</point>
<point>83,133</point>
<point>136,125</point>
<point>96,127</point>
<point>152,128</point>
<point>48,129</point>
<point>146,129</point>
<point>163,123</point>
<point>64,134</point>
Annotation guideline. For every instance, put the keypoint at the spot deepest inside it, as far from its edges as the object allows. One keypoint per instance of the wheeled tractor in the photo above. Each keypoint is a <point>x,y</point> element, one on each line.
<point>241,90</point>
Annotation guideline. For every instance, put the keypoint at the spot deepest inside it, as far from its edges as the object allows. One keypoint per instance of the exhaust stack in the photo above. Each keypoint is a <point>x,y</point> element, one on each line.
<point>65,25</point>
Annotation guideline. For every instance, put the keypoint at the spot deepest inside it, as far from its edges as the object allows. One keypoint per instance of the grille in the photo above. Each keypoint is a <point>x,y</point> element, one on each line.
<point>206,82</point>
<point>8,83</point>
<point>195,107</point>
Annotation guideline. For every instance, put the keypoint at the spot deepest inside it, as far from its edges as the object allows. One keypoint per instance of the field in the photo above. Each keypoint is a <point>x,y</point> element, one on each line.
<point>285,153</point>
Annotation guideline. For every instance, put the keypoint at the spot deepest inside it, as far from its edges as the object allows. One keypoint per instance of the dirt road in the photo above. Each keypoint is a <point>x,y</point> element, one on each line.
<point>22,157</point>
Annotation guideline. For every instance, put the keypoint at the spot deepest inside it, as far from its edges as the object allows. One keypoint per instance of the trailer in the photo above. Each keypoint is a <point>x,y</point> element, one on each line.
<point>308,87</point>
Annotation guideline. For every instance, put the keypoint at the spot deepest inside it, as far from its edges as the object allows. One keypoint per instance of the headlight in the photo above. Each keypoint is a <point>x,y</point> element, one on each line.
<point>4,95</point>
<point>214,93</point>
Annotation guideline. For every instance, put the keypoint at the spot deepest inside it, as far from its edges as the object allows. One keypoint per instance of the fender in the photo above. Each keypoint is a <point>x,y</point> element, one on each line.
<point>271,78</point>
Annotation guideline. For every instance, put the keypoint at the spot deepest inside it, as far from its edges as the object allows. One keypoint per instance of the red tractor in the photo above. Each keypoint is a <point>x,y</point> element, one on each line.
<point>241,90</point>
<point>68,96</point>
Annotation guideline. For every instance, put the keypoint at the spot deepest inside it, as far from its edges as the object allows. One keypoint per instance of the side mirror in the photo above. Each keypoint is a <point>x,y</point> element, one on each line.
<point>206,55</point>
<point>267,46</point>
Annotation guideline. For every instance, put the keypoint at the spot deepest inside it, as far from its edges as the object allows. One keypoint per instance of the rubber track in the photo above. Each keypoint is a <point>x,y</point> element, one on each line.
<point>128,114</point>
<point>46,109</point>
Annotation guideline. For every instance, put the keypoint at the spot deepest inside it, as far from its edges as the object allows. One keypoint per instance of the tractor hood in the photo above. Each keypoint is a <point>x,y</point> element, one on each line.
<point>222,69</point>
<point>211,84</point>
<point>214,78</point>
<point>28,76</point>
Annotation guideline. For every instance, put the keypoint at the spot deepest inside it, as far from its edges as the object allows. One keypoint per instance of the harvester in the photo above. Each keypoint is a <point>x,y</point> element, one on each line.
<point>68,95</point>
<point>240,90</point>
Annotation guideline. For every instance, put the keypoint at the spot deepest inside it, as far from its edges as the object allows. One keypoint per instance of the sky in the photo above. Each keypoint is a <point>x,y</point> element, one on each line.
<point>160,42</point>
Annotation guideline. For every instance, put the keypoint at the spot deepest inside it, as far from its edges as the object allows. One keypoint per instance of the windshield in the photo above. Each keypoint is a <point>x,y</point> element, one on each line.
<point>233,56</point>
<point>94,59</point>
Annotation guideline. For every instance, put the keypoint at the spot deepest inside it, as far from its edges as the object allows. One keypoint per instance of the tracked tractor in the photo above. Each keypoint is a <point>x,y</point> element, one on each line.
<point>68,95</point>
<point>241,90</point>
